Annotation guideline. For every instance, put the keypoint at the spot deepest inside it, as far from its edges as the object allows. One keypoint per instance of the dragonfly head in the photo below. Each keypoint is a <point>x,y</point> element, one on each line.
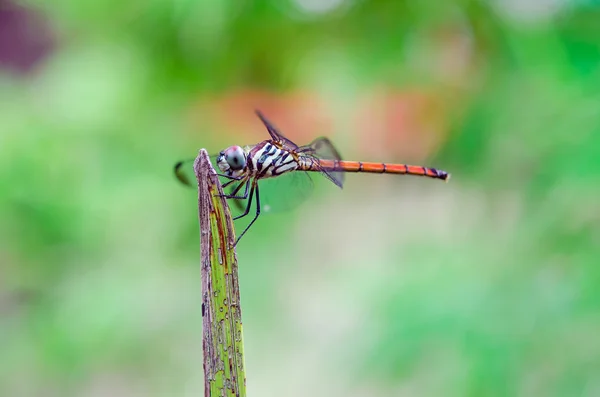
<point>232,161</point>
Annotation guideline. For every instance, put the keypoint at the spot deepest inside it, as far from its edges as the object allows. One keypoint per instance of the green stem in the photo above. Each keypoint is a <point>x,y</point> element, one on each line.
<point>224,370</point>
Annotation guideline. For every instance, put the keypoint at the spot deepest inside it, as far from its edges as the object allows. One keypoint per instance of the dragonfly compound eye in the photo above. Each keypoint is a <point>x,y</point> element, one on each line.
<point>235,158</point>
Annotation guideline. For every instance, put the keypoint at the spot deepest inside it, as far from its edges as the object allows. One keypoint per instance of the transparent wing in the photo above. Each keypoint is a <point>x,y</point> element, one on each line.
<point>276,135</point>
<point>284,192</point>
<point>278,194</point>
<point>322,148</point>
<point>184,171</point>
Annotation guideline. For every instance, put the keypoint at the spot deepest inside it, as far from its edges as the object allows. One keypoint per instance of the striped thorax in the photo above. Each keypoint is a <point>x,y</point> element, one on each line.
<point>265,160</point>
<point>268,159</point>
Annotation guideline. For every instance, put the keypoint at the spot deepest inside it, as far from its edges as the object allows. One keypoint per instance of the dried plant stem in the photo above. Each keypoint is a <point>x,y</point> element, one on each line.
<point>224,370</point>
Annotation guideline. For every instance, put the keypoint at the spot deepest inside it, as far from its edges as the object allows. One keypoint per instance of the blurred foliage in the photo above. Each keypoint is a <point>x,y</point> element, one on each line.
<point>481,287</point>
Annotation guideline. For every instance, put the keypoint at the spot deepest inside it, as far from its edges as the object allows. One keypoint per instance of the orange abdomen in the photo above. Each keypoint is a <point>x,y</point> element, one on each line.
<point>378,168</point>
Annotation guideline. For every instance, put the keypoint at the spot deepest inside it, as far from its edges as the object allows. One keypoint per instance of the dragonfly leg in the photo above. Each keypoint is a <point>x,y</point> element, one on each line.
<point>233,178</point>
<point>249,202</point>
<point>237,189</point>
<point>254,188</point>
<point>228,183</point>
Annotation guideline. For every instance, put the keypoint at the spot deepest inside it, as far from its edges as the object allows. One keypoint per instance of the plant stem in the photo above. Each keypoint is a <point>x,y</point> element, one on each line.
<point>224,370</point>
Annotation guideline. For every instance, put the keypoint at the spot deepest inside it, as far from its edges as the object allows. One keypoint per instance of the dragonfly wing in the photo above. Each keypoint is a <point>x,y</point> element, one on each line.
<point>276,135</point>
<point>184,171</point>
<point>284,192</point>
<point>322,148</point>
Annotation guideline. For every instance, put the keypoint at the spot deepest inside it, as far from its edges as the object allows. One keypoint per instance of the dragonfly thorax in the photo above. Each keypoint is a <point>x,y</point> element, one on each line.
<point>269,159</point>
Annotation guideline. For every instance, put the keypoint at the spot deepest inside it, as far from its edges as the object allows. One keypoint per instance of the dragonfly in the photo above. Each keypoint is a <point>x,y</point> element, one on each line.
<point>272,159</point>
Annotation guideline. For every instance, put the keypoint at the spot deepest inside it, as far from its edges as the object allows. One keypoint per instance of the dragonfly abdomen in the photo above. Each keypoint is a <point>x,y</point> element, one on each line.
<point>377,168</point>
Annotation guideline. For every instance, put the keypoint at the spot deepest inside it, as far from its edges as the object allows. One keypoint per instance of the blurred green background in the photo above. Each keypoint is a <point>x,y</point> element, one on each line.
<point>394,286</point>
